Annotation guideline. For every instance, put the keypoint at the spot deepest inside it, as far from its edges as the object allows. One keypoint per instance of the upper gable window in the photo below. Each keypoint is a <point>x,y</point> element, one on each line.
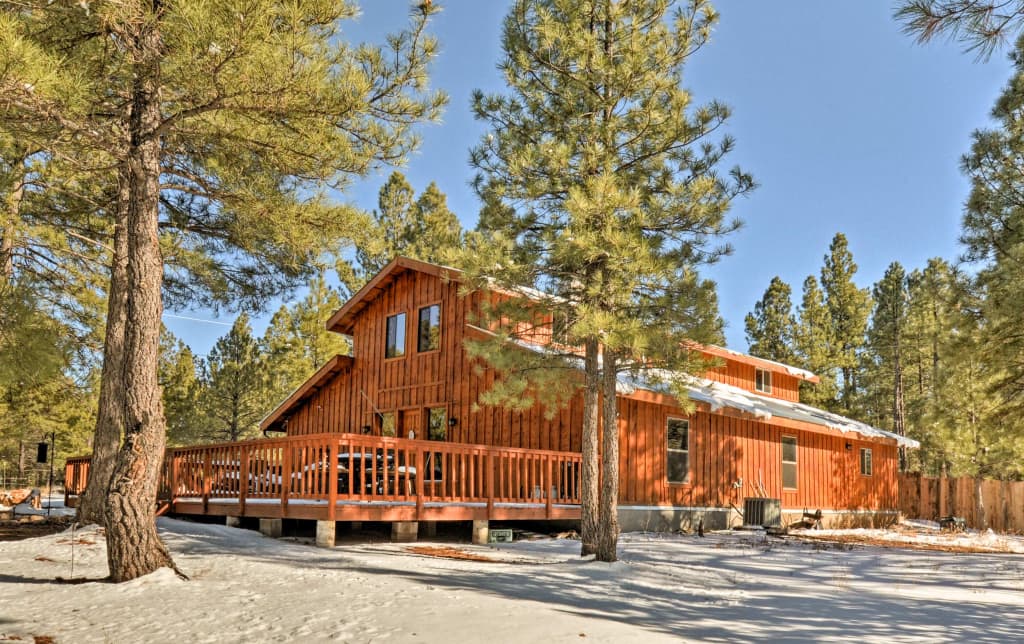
<point>763,381</point>
<point>394,346</point>
<point>429,333</point>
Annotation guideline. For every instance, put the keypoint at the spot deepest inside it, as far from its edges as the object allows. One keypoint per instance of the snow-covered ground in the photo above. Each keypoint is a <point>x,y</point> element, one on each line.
<point>726,587</point>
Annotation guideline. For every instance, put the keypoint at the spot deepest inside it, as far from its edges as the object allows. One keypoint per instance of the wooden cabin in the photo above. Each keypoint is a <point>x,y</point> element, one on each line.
<point>413,445</point>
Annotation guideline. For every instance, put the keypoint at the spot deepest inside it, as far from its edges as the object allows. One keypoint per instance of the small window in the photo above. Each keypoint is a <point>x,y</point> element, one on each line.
<point>865,461</point>
<point>678,450</point>
<point>387,423</point>
<point>763,381</point>
<point>395,345</point>
<point>429,336</point>
<point>789,462</point>
<point>437,424</point>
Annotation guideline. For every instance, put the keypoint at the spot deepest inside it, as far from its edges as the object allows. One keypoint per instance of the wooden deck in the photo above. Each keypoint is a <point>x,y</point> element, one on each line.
<point>351,477</point>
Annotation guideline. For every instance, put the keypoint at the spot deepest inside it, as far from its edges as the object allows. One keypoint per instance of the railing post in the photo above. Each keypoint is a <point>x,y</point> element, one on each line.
<point>420,473</point>
<point>286,476</point>
<point>547,485</point>
<point>206,481</point>
<point>490,484</point>
<point>332,479</point>
<point>243,478</point>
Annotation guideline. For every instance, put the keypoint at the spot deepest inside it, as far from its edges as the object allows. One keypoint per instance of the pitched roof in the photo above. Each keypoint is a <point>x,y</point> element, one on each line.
<point>718,396</point>
<point>306,390</point>
<point>761,363</point>
<point>343,319</point>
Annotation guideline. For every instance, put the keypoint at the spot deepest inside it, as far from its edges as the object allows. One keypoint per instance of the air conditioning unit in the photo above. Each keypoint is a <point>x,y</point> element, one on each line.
<point>762,512</point>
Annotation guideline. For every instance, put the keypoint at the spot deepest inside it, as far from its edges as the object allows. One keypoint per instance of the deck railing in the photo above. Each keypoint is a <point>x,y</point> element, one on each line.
<point>351,467</point>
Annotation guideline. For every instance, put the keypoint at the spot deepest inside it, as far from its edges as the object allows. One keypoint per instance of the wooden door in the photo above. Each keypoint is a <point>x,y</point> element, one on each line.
<point>411,420</point>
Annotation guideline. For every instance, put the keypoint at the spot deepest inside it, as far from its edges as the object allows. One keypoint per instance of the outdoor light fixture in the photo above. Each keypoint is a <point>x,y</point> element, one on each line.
<point>849,446</point>
<point>366,429</point>
<point>453,421</point>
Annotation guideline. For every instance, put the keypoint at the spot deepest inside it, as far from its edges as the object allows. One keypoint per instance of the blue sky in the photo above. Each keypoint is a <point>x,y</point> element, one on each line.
<point>844,121</point>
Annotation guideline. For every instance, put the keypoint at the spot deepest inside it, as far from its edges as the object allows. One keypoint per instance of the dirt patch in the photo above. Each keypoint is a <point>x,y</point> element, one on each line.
<point>16,530</point>
<point>851,539</point>
<point>447,552</point>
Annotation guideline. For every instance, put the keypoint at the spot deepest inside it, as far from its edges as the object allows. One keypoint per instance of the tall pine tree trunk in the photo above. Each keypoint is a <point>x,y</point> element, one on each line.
<point>110,415</point>
<point>899,407</point>
<point>12,215</point>
<point>589,509</point>
<point>608,539</point>
<point>133,545</point>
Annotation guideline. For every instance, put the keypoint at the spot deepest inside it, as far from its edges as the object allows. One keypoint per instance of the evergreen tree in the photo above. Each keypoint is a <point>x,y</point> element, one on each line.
<point>935,299</point>
<point>982,25</point>
<point>434,232</point>
<point>601,191</point>
<point>771,328</point>
<point>224,123</point>
<point>887,345</point>
<point>993,233</point>
<point>392,217</point>
<point>297,342</point>
<point>814,339</point>
<point>422,228</point>
<point>181,390</point>
<point>234,386</point>
<point>848,308</point>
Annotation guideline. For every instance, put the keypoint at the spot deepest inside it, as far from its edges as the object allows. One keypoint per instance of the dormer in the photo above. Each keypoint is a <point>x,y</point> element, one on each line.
<point>757,375</point>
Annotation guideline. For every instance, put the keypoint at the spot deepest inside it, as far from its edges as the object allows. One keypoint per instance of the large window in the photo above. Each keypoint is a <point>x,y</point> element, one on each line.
<point>763,380</point>
<point>865,461</point>
<point>789,462</point>
<point>394,346</point>
<point>437,423</point>
<point>429,335</point>
<point>678,450</point>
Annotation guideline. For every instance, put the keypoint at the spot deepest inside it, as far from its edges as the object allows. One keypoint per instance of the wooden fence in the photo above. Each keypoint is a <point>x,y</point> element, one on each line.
<point>922,497</point>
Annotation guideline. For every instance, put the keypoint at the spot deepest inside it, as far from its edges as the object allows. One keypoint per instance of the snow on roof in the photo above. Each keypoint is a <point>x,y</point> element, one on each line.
<point>718,395</point>
<point>723,352</point>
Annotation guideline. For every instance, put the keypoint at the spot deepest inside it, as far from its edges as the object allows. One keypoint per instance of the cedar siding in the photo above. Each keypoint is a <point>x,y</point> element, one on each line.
<point>725,446</point>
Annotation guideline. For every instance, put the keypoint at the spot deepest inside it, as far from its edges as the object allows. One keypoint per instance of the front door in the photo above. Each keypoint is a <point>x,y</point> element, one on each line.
<point>410,424</point>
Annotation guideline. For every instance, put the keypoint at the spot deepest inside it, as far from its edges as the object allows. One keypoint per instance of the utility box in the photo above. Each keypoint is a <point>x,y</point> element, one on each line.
<point>500,536</point>
<point>762,512</point>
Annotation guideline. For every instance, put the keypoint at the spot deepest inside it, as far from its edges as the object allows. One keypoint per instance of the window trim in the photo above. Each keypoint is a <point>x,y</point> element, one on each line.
<point>766,380</point>
<point>688,479</point>
<point>405,337</point>
<point>795,462</point>
<point>440,328</point>
<point>870,462</point>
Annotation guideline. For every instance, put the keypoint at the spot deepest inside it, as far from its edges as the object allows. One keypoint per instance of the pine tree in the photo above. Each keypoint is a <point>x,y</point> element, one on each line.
<point>982,25</point>
<point>935,299</point>
<point>422,228</point>
<point>848,308</point>
<point>601,191</point>
<point>887,344</point>
<point>224,123</point>
<point>771,328</point>
<point>814,339</point>
<point>297,342</point>
<point>993,233</point>
<point>181,389</point>
<point>434,232</point>
<point>234,385</point>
